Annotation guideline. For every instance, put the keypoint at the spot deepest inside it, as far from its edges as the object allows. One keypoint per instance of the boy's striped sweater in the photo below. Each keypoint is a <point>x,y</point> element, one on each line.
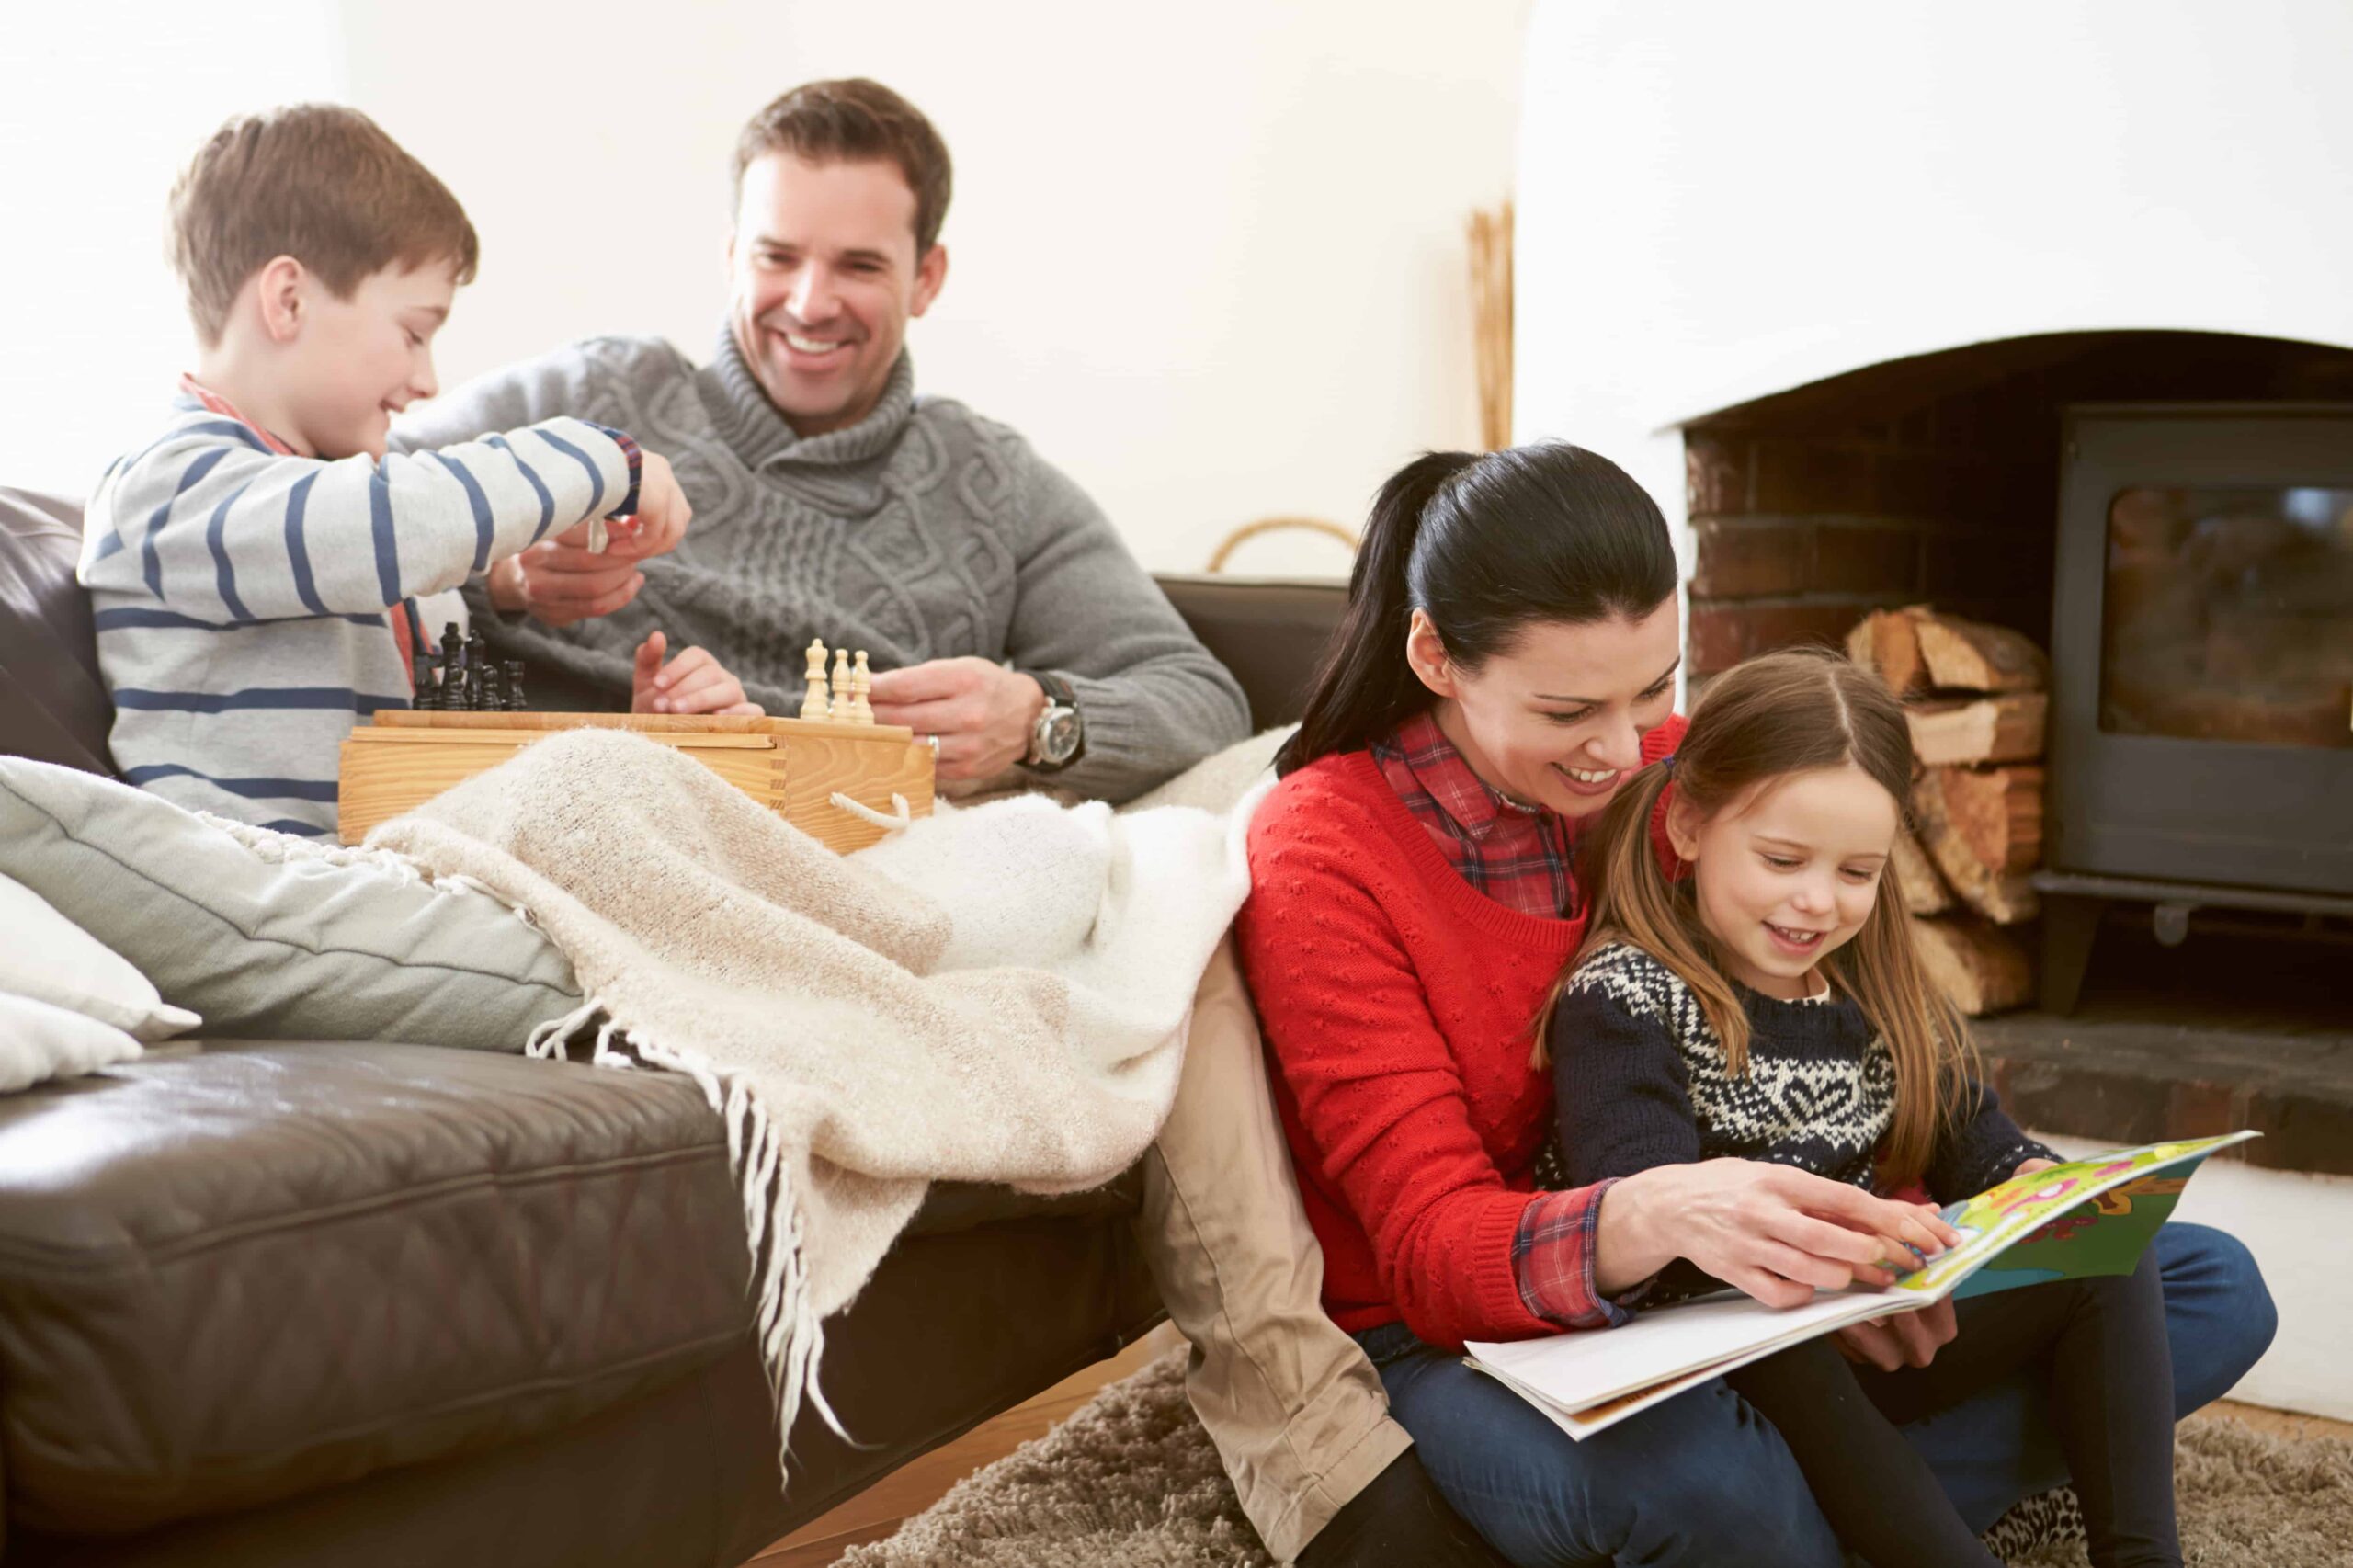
<point>251,605</point>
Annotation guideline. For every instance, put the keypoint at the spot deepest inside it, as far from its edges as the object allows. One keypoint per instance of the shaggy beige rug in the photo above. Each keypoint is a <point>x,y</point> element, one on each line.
<point>1131,1482</point>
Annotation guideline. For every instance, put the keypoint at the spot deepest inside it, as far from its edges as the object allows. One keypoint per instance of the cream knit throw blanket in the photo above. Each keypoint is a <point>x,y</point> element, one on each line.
<point>996,994</point>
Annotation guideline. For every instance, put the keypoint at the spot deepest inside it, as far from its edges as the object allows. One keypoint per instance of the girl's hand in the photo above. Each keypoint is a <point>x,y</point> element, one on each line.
<point>694,682</point>
<point>1778,1233</point>
<point>1907,1339</point>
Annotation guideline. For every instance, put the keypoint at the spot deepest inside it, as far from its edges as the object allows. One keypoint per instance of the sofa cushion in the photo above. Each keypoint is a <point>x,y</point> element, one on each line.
<point>50,958</point>
<point>52,704</point>
<point>1271,633</point>
<point>244,1273</point>
<point>293,948</point>
<point>39,1040</point>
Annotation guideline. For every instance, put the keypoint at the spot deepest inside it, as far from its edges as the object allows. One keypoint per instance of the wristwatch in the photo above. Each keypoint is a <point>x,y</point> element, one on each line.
<point>1060,737</point>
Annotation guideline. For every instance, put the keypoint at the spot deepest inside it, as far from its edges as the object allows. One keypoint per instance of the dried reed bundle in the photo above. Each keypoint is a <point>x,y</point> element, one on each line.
<point>1491,320</point>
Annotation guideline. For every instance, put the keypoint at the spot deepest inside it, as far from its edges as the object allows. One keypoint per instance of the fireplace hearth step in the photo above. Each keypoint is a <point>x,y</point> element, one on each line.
<point>2136,1080</point>
<point>2074,905</point>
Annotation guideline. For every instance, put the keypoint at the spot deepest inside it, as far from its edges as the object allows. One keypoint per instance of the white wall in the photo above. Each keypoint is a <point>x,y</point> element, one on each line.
<point>1720,199</point>
<point>1209,258</point>
<point>101,106</point>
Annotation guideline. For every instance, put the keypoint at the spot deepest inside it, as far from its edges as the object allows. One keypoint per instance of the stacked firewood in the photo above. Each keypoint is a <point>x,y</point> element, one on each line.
<point>1978,700</point>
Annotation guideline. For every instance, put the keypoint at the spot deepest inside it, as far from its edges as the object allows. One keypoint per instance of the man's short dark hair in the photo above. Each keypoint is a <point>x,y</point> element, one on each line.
<point>856,121</point>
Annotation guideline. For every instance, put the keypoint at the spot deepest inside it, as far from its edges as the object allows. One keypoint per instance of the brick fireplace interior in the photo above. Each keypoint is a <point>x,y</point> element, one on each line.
<point>1936,479</point>
<point>1931,479</point>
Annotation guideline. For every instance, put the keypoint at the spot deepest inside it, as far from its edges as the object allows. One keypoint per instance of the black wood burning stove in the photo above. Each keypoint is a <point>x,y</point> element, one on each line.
<point>2202,749</point>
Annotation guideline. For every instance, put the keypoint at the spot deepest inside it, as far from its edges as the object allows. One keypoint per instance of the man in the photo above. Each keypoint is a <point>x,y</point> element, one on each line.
<point>1003,614</point>
<point>1004,618</point>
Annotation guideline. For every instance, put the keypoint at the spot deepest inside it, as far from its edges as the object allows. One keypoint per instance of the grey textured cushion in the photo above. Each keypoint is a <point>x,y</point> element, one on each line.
<point>299,950</point>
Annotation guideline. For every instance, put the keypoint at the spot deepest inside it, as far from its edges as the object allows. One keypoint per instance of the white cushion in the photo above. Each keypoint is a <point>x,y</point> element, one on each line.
<point>48,959</point>
<point>38,1041</point>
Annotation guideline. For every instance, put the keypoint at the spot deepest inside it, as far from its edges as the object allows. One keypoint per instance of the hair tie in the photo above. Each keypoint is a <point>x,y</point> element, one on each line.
<point>1662,844</point>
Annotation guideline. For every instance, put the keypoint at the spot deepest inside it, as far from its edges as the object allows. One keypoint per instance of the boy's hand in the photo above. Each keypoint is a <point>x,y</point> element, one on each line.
<point>694,682</point>
<point>560,580</point>
<point>660,521</point>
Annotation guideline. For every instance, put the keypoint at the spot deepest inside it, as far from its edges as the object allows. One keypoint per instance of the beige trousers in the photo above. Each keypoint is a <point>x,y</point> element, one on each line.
<point>1294,1407</point>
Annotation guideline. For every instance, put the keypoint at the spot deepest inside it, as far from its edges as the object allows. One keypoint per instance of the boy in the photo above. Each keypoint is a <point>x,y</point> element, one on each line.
<point>252,570</point>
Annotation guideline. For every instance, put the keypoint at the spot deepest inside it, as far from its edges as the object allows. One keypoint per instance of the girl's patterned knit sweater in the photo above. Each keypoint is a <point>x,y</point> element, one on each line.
<point>1641,1080</point>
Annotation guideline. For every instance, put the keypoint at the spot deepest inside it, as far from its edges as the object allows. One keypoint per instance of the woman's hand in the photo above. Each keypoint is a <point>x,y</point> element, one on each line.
<point>1778,1233</point>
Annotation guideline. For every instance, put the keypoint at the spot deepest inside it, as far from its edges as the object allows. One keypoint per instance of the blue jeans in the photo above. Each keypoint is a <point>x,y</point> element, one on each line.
<point>1703,1479</point>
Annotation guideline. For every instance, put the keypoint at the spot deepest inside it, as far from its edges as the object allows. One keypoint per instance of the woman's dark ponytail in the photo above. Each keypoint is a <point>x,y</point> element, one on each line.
<point>1483,545</point>
<point>1365,687</point>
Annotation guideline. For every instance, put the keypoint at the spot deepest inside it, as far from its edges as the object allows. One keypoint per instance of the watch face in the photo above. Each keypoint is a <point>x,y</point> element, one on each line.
<point>1058,739</point>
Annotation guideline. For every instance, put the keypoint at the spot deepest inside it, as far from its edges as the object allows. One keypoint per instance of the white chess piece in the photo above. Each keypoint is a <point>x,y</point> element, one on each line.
<point>839,710</point>
<point>814,705</point>
<point>861,681</point>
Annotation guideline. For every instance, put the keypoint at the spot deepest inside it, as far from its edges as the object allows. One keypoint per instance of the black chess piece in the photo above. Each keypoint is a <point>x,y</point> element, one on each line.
<point>453,666</point>
<point>477,667</point>
<point>491,690</point>
<point>515,686</point>
<point>420,669</point>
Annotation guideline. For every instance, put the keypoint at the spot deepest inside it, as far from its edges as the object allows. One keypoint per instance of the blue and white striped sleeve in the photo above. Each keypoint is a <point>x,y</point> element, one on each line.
<point>208,524</point>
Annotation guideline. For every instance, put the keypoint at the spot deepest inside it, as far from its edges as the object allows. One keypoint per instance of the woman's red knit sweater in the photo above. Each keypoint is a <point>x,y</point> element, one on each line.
<point>1396,1001</point>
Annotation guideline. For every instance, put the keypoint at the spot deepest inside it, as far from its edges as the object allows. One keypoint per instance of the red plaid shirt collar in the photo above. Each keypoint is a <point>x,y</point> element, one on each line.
<point>213,403</point>
<point>1522,856</point>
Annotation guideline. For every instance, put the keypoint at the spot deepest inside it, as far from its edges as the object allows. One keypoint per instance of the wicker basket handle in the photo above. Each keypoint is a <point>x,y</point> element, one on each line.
<point>1247,531</point>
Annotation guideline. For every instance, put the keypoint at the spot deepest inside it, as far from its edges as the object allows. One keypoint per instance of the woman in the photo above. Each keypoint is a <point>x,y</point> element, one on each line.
<point>1509,657</point>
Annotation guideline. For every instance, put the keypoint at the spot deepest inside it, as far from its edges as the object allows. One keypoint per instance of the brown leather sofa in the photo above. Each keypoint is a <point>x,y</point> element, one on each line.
<point>297,1302</point>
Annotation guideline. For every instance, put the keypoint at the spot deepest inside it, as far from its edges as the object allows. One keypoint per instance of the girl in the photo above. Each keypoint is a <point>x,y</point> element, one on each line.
<point>1751,995</point>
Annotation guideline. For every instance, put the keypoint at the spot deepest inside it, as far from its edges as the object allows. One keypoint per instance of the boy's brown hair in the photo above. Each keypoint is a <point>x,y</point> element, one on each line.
<point>856,121</point>
<point>1776,715</point>
<point>320,183</point>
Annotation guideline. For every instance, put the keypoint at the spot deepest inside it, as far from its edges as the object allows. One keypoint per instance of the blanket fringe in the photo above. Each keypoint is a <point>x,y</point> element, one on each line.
<point>791,1335</point>
<point>546,1042</point>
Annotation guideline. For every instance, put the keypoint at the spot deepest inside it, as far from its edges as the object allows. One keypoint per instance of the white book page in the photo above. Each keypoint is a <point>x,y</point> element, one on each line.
<point>1577,1371</point>
<point>1665,1350</point>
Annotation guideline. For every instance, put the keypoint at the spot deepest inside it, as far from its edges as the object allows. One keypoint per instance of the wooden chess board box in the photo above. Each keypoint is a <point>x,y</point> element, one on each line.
<point>794,767</point>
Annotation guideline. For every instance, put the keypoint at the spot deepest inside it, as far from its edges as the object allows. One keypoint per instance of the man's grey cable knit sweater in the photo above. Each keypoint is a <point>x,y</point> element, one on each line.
<point>924,531</point>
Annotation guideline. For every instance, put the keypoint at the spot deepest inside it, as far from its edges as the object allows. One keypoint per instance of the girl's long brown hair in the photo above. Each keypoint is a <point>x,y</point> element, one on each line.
<point>1774,716</point>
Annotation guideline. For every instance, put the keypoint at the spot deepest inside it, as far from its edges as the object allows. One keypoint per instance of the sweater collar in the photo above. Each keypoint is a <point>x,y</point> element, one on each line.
<point>761,436</point>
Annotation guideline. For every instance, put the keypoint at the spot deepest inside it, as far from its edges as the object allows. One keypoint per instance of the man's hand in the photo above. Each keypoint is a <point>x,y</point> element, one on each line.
<point>560,580</point>
<point>1907,1339</point>
<point>982,712</point>
<point>694,682</point>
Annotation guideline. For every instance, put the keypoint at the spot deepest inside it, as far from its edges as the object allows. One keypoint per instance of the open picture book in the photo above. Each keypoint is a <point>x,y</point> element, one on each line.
<point>2083,1217</point>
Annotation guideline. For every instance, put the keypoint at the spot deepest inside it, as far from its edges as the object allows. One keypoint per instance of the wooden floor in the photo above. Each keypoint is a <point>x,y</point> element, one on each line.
<point>876,1513</point>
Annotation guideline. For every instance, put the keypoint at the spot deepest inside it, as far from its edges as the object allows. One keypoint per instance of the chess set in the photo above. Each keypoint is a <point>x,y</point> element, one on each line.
<point>463,678</point>
<point>468,718</point>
